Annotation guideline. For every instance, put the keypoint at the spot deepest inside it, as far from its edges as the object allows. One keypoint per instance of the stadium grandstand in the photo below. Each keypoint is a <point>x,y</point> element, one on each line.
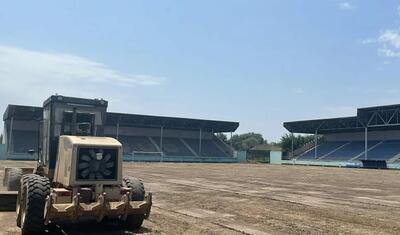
<point>144,138</point>
<point>372,135</point>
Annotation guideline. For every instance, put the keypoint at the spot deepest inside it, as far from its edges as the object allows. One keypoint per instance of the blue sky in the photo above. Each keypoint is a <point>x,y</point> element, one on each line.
<point>257,62</point>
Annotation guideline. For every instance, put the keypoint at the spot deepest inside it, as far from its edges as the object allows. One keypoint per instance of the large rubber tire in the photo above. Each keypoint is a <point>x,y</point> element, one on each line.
<point>133,222</point>
<point>34,192</point>
<point>137,187</point>
<point>22,194</point>
<point>14,179</point>
<point>138,193</point>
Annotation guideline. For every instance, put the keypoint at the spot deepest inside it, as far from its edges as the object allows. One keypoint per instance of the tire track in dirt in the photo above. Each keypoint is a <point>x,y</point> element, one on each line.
<point>232,227</point>
<point>279,197</point>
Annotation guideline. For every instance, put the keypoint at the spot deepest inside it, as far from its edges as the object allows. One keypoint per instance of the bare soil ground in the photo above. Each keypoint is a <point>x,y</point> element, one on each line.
<point>253,199</point>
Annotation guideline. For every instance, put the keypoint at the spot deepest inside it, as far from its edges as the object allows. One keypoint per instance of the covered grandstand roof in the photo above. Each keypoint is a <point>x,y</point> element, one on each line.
<point>19,112</point>
<point>324,126</point>
<point>374,118</point>
<point>170,122</point>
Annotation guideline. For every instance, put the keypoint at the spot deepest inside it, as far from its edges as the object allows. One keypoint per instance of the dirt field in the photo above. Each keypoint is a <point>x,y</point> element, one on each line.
<point>254,199</point>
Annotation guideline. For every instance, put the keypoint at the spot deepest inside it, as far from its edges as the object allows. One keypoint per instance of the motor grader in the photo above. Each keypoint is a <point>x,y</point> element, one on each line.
<point>78,173</point>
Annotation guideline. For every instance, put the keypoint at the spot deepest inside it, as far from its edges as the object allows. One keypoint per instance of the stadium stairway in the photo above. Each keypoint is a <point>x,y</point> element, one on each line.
<point>154,143</point>
<point>307,151</point>
<point>349,151</point>
<point>385,151</point>
<point>335,150</point>
<point>353,151</point>
<point>322,150</point>
<point>394,159</point>
<point>363,152</point>
<point>188,147</point>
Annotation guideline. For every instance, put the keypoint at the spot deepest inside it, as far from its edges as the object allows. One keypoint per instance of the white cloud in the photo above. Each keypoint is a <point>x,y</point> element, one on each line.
<point>17,64</point>
<point>388,52</point>
<point>346,6</point>
<point>389,43</point>
<point>390,37</point>
<point>368,41</point>
<point>298,90</point>
<point>28,77</point>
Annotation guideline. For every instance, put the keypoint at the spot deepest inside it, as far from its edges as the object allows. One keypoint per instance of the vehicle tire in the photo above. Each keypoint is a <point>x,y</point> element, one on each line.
<point>35,190</point>
<point>14,179</point>
<point>137,187</point>
<point>22,194</point>
<point>134,221</point>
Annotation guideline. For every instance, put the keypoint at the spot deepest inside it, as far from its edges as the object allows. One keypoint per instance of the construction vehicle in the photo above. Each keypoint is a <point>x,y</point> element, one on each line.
<point>78,173</point>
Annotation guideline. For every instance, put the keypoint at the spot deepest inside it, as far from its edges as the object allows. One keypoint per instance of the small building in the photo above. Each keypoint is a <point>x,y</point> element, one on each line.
<point>265,153</point>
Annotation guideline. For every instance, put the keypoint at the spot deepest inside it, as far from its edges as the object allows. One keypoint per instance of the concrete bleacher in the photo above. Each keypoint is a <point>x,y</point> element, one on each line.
<point>136,143</point>
<point>353,151</point>
<point>349,151</point>
<point>372,138</point>
<point>208,148</point>
<point>385,151</point>
<point>140,136</point>
<point>173,147</point>
<point>322,150</point>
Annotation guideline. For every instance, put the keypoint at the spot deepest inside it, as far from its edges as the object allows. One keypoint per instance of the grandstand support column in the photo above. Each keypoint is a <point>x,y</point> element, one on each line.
<point>231,140</point>
<point>366,143</point>
<point>161,137</point>
<point>200,137</point>
<point>316,144</point>
<point>292,135</point>
<point>10,142</point>
<point>117,135</point>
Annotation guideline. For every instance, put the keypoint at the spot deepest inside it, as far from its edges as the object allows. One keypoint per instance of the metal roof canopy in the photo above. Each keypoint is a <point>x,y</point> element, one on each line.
<point>374,118</point>
<point>19,112</point>
<point>138,120</point>
<point>380,116</point>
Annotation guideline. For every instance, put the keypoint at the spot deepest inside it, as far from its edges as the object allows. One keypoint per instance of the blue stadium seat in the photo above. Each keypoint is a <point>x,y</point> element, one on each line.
<point>322,150</point>
<point>136,143</point>
<point>349,151</point>
<point>173,147</point>
<point>385,151</point>
<point>208,148</point>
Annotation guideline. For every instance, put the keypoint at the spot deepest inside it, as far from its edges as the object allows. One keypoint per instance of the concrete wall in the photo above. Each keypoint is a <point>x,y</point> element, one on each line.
<point>241,156</point>
<point>275,157</point>
<point>2,152</point>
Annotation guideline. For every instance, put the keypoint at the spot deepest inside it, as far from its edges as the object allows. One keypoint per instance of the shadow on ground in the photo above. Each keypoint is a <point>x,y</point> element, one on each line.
<point>92,227</point>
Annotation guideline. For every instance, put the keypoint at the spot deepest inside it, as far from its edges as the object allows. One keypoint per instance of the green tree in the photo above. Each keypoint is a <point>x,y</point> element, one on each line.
<point>223,137</point>
<point>244,142</point>
<point>298,141</point>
